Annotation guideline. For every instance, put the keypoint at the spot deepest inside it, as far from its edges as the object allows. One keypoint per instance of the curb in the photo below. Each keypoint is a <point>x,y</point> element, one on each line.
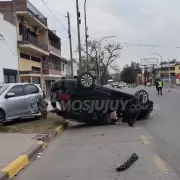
<point>13,168</point>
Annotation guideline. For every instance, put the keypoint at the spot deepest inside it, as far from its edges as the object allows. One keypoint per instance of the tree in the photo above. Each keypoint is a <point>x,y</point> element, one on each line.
<point>128,74</point>
<point>173,61</point>
<point>102,57</point>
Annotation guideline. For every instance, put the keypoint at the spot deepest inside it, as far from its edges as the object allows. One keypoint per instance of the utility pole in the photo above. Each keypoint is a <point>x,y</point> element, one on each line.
<point>169,76</point>
<point>86,34</point>
<point>79,38</point>
<point>70,44</point>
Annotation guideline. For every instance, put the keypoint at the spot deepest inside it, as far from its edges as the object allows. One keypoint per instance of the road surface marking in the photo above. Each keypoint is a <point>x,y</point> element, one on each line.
<point>160,164</point>
<point>14,167</point>
<point>59,129</point>
<point>145,139</point>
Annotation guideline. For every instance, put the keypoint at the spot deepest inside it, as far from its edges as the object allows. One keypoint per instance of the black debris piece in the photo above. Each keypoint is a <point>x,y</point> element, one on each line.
<point>126,165</point>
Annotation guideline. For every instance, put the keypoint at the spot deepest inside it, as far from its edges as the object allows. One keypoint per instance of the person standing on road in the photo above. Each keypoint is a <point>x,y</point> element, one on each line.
<point>159,86</point>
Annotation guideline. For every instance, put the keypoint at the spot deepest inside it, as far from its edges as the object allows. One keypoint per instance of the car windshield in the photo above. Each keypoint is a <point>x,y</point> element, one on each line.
<point>3,88</point>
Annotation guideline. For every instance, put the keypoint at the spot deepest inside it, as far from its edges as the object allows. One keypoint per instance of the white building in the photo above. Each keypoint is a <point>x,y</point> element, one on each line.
<point>8,52</point>
<point>68,69</point>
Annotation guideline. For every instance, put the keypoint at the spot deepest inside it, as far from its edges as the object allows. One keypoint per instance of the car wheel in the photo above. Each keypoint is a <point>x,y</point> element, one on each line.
<point>2,118</point>
<point>142,97</point>
<point>86,80</point>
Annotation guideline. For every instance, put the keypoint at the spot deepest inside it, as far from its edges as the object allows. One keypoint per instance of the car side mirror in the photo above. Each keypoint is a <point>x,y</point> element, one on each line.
<point>9,95</point>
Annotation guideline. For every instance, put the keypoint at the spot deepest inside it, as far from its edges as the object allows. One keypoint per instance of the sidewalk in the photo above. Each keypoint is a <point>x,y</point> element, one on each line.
<point>13,145</point>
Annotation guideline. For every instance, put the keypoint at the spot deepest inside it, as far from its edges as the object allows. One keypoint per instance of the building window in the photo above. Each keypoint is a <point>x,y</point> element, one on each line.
<point>62,67</point>
<point>24,56</point>
<point>36,69</point>
<point>33,58</point>
<point>10,76</point>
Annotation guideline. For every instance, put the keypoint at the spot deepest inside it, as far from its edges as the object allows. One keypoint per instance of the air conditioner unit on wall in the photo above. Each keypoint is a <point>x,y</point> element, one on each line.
<point>36,30</point>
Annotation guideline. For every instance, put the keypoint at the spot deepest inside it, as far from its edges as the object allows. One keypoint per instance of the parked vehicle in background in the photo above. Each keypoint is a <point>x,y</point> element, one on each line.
<point>120,86</point>
<point>133,85</point>
<point>108,86</point>
<point>20,100</point>
<point>110,81</point>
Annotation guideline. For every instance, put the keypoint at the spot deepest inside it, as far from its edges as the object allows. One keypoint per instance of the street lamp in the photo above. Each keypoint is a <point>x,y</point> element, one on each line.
<point>161,61</point>
<point>99,63</point>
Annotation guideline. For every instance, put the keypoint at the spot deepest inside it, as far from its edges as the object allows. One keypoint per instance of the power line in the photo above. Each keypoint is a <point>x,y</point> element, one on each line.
<point>54,15</point>
<point>73,31</point>
<point>4,40</point>
<point>65,40</point>
<point>45,3</point>
<point>56,9</point>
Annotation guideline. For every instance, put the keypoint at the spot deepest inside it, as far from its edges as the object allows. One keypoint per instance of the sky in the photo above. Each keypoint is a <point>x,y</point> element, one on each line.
<point>145,22</point>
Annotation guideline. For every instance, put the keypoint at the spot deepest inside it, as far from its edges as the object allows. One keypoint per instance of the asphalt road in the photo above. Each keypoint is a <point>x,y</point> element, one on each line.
<point>93,153</point>
<point>164,124</point>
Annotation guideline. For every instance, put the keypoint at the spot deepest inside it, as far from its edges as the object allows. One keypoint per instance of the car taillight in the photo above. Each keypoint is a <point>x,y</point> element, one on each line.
<point>64,97</point>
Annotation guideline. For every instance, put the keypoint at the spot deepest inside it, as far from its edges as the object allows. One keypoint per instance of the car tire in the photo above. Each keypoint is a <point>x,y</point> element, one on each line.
<point>142,97</point>
<point>86,80</point>
<point>2,118</point>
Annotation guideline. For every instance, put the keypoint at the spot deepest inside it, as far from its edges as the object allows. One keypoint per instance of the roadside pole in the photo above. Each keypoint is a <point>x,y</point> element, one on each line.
<point>86,34</point>
<point>70,44</point>
<point>79,38</point>
<point>169,76</point>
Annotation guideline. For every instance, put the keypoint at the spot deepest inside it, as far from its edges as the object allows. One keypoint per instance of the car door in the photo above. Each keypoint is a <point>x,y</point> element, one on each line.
<point>17,106</point>
<point>32,92</point>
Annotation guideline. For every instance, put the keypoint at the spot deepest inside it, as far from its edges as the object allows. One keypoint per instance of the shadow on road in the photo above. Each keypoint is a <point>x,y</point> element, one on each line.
<point>78,126</point>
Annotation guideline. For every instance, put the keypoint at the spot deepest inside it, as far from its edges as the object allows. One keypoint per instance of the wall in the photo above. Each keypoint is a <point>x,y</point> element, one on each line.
<point>43,37</point>
<point>177,69</point>
<point>9,55</point>
<point>68,69</point>
<point>65,68</point>
<point>26,65</point>
<point>8,9</point>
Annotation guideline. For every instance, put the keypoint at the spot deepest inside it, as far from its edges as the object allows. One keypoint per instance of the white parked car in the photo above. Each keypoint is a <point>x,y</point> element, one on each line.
<point>18,100</point>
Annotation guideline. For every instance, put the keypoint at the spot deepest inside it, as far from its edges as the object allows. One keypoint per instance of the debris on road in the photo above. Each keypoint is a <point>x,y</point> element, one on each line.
<point>126,165</point>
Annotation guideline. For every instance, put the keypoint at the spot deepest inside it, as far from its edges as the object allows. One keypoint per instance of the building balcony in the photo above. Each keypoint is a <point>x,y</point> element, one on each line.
<point>54,51</point>
<point>27,10</point>
<point>50,73</point>
<point>51,70</point>
<point>29,73</point>
<point>34,46</point>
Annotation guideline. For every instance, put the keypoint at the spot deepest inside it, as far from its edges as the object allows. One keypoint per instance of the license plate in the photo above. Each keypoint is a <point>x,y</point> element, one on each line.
<point>58,106</point>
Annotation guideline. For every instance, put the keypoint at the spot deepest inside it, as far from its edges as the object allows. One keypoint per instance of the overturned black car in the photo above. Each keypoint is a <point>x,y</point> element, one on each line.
<point>81,100</point>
